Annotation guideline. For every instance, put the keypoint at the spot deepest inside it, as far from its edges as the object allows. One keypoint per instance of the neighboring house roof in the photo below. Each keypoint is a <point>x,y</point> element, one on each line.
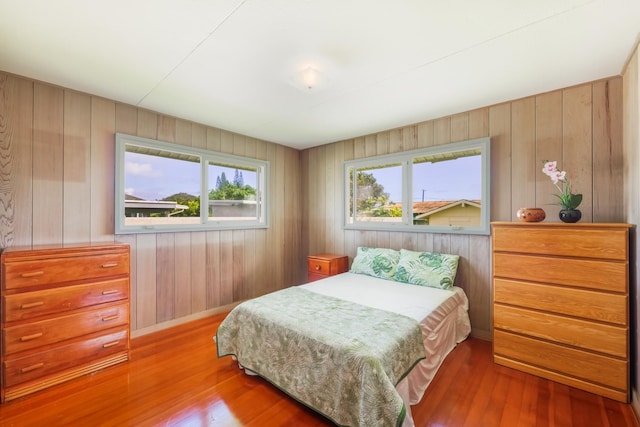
<point>424,209</point>
<point>153,204</point>
<point>444,205</point>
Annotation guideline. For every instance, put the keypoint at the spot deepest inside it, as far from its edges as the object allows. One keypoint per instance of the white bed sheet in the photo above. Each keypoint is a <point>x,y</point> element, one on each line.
<point>442,315</point>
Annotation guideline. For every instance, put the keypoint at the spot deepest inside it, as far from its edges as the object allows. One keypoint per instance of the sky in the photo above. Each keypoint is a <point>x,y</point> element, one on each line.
<point>155,177</point>
<point>449,180</point>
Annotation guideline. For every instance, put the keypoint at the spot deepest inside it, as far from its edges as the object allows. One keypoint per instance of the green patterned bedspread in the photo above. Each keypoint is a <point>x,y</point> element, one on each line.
<point>339,358</point>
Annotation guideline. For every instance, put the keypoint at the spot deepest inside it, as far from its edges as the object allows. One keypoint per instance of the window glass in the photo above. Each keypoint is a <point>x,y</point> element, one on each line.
<point>447,190</point>
<point>374,187</point>
<point>232,193</point>
<point>159,188</point>
<point>436,189</point>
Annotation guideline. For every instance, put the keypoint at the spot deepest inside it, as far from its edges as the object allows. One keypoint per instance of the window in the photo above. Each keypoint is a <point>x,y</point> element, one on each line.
<point>168,187</point>
<point>441,189</point>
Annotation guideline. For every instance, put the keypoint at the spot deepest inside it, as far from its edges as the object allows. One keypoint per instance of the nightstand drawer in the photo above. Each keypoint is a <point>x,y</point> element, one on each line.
<point>319,266</point>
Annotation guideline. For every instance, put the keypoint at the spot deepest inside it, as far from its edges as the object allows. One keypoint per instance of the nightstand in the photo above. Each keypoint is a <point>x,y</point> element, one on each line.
<point>321,266</point>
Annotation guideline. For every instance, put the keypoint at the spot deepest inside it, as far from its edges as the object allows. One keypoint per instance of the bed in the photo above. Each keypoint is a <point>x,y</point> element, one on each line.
<point>360,347</point>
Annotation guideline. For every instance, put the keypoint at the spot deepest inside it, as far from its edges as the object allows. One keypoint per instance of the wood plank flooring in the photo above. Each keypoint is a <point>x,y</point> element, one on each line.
<point>174,378</point>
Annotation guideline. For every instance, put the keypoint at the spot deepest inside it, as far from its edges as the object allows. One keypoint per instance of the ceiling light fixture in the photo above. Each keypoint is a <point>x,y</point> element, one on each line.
<point>309,78</point>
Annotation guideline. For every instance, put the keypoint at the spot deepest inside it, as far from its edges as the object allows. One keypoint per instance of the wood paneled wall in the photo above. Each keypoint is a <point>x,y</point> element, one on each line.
<point>579,126</point>
<point>57,186</point>
<point>631,138</point>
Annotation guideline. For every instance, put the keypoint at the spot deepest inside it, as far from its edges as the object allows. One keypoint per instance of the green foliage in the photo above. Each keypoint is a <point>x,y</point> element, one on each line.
<point>194,208</point>
<point>185,199</point>
<point>370,194</point>
<point>232,192</point>
<point>392,211</point>
<point>235,190</point>
<point>568,200</point>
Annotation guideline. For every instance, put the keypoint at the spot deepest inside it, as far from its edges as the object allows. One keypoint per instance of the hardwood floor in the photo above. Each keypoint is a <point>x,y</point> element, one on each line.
<point>174,378</point>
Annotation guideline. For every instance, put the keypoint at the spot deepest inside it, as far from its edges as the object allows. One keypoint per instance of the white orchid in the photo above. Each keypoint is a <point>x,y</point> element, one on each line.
<point>559,178</point>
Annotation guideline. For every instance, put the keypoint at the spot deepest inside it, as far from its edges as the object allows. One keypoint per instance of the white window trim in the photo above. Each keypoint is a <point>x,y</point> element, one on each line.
<point>206,156</point>
<point>405,158</point>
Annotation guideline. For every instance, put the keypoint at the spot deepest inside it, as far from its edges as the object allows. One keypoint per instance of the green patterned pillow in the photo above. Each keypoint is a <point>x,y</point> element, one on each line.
<point>377,262</point>
<point>427,269</point>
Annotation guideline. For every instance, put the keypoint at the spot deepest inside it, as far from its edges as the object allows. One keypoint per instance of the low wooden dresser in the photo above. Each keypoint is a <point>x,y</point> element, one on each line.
<point>321,266</point>
<point>561,303</point>
<point>65,313</point>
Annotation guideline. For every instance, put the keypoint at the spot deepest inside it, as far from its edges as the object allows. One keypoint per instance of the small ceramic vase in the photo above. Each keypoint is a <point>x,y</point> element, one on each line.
<point>530,214</point>
<point>570,215</point>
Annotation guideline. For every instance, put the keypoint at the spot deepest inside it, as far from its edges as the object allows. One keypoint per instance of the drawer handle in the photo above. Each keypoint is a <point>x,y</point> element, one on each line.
<point>108,318</point>
<point>110,265</point>
<point>32,274</point>
<point>31,337</point>
<point>31,305</point>
<point>110,344</point>
<point>32,367</point>
<point>110,292</point>
<point>318,268</point>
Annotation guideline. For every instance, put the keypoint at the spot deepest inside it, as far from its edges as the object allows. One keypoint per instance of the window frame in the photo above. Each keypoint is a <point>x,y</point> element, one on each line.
<point>206,157</point>
<point>405,158</point>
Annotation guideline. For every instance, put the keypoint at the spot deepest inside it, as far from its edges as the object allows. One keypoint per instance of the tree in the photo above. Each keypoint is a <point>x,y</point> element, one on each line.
<point>372,200</point>
<point>221,181</point>
<point>387,211</point>
<point>370,194</point>
<point>226,190</point>
<point>193,203</point>
<point>238,180</point>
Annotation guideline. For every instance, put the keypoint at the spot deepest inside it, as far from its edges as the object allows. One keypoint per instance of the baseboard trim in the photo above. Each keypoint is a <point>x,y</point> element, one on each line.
<point>483,335</point>
<point>182,320</point>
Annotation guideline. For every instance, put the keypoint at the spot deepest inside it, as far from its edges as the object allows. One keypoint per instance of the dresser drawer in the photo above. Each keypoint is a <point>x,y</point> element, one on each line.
<point>36,334</point>
<point>584,334</point>
<point>16,371</point>
<point>587,243</point>
<point>595,368</point>
<point>584,273</point>
<point>587,304</point>
<point>52,271</point>
<point>28,305</point>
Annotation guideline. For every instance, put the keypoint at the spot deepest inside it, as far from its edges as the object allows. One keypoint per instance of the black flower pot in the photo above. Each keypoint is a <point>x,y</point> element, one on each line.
<point>570,215</point>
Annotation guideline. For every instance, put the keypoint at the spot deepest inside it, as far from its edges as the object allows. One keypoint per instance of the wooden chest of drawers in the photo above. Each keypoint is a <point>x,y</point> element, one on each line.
<point>321,266</point>
<point>65,313</point>
<point>561,303</point>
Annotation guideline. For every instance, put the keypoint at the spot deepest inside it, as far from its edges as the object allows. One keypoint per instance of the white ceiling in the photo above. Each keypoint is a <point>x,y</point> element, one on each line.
<point>387,63</point>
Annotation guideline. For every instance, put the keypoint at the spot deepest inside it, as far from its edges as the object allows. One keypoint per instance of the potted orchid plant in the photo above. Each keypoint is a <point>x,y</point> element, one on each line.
<point>566,199</point>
